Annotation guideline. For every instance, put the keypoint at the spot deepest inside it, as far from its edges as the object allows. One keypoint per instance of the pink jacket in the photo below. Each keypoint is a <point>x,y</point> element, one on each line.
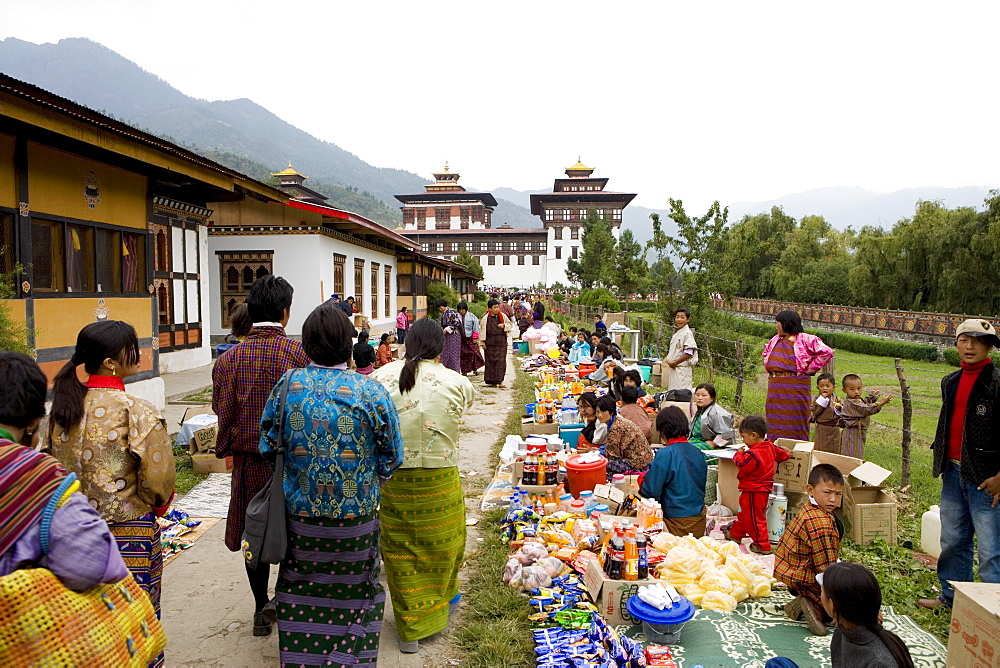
<point>402,321</point>
<point>811,354</point>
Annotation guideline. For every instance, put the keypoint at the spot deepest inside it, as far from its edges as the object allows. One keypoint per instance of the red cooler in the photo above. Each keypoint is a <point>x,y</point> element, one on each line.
<point>581,476</point>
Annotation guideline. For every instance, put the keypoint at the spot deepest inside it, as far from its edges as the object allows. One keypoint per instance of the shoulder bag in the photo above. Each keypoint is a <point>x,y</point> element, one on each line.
<point>43,622</point>
<point>265,532</point>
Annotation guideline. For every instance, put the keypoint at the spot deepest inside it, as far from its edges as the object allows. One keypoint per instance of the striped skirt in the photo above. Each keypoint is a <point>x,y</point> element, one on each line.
<point>423,544</point>
<point>788,407</point>
<point>141,550</point>
<point>328,597</point>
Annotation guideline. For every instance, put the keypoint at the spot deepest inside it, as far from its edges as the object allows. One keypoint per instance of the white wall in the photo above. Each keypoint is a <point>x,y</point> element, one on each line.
<point>306,261</point>
<point>512,275</point>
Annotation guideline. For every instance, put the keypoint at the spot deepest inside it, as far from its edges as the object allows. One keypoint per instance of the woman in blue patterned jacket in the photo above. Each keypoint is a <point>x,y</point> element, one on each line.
<point>342,440</point>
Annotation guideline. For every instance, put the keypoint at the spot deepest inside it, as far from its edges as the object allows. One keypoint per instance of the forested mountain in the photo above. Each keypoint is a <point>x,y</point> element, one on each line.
<point>233,132</point>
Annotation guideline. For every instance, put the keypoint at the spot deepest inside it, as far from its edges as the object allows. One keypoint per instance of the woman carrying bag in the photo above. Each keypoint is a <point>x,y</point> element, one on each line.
<point>52,544</point>
<point>340,431</point>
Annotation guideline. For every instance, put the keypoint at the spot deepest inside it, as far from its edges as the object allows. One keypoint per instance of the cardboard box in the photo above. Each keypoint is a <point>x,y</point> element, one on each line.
<point>656,379</point>
<point>207,462</point>
<point>974,639</point>
<point>657,369</point>
<point>517,472</point>
<point>202,440</point>
<point>610,596</point>
<point>529,428</point>
<point>611,496</point>
<point>870,513</point>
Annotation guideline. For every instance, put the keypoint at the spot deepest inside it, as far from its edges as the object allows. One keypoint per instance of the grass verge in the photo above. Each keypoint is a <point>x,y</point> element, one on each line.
<point>495,630</point>
<point>186,477</point>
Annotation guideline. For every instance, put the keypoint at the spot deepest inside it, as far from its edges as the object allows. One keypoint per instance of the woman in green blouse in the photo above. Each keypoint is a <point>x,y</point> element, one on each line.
<point>423,506</point>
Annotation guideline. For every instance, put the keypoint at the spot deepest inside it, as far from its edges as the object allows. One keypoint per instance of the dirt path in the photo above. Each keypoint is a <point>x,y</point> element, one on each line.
<point>206,600</point>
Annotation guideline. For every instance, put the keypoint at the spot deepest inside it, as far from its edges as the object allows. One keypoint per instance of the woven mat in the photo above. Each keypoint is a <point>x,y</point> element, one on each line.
<point>209,498</point>
<point>760,630</point>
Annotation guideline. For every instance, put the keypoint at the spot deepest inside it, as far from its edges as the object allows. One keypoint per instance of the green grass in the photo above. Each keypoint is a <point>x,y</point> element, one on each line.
<point>202,396</point>
<point>186,477</point>
<point>495,630</point>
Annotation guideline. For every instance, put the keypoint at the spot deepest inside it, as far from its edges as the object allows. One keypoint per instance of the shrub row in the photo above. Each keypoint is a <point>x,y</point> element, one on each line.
<point>597,297</point>
<point>641,307</point>
<point>855,343</point>
<point>951,357</point>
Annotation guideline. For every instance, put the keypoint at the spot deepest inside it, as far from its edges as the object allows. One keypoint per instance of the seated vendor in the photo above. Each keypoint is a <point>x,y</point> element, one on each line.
<point>625,446</point>
<point>677,476</point>
<point>636,413</point>
<point>712,425</point>
<point>590,436</point>
<point>634,379</point>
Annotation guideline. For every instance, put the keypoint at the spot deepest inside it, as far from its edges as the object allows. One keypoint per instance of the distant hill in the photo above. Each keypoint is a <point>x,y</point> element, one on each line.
<point>233,132</point>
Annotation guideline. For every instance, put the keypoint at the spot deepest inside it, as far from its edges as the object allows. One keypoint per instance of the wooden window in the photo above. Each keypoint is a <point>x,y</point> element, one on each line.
<point>238,270</point>
<point>442,217</point>
<point>421,219</point>
<point>359,281</point>
<point>520,259</point>
<point>574,232</point>
<point>47,256</point>
<point>161,261</point>
<point>163,303</point>
<point>558,252</point>
<point>111,251</point>
<point>374,290</point>
<point>79,254</point>
<point>575,252</point>
<point>388,291</point>
<point>534,259</point>
<point>409,217</point>
<point>491,260</point>
<point>616,214</point>
<point>464,214</point>
<point>338,275</point>
<point>133,263</point>
<point>506,259</point>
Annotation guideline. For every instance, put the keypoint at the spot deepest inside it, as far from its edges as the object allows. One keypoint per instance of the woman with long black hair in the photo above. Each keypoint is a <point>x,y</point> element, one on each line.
<point>423,506</point>
<point>116,444</point>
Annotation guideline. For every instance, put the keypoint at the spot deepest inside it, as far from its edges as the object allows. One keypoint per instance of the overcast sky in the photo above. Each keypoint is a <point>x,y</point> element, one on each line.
<point>692,100</point>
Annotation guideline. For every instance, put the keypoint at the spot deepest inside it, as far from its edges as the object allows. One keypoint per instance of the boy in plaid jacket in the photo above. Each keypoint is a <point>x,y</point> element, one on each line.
<point>810,544</point>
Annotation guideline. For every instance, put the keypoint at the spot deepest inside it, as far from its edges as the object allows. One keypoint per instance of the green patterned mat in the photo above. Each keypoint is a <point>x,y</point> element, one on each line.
<point>760,630</point>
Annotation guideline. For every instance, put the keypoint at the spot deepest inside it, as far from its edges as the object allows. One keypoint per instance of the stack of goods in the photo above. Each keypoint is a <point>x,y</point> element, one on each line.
<point>173,526</point>
<point>713,574</point>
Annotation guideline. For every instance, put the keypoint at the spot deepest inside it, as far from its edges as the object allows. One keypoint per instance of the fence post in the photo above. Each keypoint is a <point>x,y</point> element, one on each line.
<point>904,390</point>
<point>738,399</point>
<point>641,335</point>
<point>711,363</point>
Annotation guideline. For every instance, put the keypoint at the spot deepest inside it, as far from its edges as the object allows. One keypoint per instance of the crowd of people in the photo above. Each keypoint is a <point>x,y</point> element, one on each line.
<point>371,472</point>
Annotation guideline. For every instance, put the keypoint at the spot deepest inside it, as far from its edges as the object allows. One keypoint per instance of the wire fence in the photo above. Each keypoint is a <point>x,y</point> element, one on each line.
<point>735,365</point>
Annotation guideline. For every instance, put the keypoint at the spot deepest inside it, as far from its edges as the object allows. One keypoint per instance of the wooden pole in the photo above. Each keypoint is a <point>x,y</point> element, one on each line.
<point>904,390</point>
<point>738,399</point>
<point>711,363</point>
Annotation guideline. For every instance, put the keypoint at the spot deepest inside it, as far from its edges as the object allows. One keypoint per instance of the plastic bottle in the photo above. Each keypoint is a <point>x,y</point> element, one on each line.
<point>618,481</point>
<point>617,548</point>
<point>777,507</point>
<point>564,502</point>
<point>551,470</point>
<point>525,500</point>
<point>631,570</point>
<point>596,512</point>
<point>643,564</point>
<point>576,507</point>
<point>528,474</point>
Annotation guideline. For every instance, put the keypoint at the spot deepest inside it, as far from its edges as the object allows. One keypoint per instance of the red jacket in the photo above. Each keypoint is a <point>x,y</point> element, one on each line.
<point>756,466</point>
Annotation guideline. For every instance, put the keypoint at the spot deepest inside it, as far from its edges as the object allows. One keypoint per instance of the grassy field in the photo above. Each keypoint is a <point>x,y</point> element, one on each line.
<point>902,577</point>
<point>495,630</point>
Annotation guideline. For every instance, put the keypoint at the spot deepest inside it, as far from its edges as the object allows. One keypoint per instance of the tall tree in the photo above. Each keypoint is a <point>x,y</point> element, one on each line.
<point>752,247</point>
<point>631,272</point>
<point>470,262</point>
<point>698,247</point>
<point>596,264</point>
<point>814,265</point>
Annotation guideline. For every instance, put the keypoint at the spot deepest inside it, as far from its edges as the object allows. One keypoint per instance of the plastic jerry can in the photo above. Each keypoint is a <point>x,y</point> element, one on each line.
<point>930,532</point>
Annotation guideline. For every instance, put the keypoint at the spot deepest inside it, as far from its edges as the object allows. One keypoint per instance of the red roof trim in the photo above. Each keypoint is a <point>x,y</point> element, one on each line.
<point>369,225</point>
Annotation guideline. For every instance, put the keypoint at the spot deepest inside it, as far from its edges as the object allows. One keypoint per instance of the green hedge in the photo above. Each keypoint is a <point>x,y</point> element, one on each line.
<point>480,296</point>
<point>598,297</point>
<point>951,357</point>
<point>855,343</point>
<point>642,307</point>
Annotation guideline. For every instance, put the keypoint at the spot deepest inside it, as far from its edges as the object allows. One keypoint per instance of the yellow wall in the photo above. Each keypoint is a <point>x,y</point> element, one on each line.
<point>8,181</point>
<point>16,308</point>
<point>252,212</point>
<point>58,321</point>
<point>56,182</point>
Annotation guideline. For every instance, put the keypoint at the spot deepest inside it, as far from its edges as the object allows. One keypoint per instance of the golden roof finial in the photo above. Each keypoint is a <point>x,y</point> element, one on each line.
<point>446,165</point>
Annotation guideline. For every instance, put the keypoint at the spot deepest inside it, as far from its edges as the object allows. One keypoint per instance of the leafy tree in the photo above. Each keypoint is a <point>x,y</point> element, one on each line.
<point>752,248</point>
<point>440,290</point>
<point>814,266</point>
<point>598,297</point>
<point>699,248</point>
<point>470,262</point>
<point>596,264</point>
<point>13,333</point>
<point>631,272</point>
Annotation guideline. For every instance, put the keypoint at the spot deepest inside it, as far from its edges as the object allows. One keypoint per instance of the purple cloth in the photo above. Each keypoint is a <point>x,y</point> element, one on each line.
<point>82,551</point>
<point>451,356</point>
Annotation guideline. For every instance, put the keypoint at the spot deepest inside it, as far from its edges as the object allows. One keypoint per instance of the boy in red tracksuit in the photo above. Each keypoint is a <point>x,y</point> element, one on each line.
<point>755,463</point>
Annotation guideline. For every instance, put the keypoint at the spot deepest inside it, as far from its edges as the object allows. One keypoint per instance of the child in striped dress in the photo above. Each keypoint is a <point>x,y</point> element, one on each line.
<point>855,414</point>
<point>826,435</point>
